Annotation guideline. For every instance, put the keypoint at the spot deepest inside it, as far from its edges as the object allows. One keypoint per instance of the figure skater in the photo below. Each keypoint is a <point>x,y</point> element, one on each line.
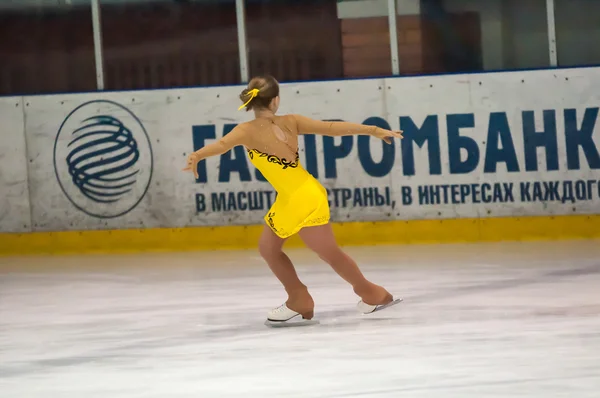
<point>301,205</point>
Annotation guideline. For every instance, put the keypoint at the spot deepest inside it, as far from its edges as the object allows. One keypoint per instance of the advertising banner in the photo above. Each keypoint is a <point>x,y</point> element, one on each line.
<point>482,145</point>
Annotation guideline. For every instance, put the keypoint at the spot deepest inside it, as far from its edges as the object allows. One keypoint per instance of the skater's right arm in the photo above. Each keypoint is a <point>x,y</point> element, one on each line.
<point>236,137</point>
<point>306,125</point>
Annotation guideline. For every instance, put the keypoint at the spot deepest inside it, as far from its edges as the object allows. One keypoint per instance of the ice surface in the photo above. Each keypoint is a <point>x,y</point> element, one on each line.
<point>494,320</point>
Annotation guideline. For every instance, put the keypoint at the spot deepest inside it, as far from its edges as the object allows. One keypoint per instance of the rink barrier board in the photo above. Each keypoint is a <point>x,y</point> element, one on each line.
<point>347,234</point>
<point>535,132</point>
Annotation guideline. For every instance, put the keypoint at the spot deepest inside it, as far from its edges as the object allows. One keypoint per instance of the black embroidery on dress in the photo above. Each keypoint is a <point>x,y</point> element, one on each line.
<point>271,222</point>
<point>275,159</point>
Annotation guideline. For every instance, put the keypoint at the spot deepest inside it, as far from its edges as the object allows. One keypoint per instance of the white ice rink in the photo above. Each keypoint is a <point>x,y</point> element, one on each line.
<point>495,320</point>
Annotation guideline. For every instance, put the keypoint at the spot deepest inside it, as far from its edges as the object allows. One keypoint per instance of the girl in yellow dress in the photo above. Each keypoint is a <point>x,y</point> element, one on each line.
<point>301,206</point>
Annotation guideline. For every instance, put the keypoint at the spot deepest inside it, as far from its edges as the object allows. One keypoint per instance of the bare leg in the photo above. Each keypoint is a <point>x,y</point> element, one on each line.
<point>270,247</point>
<point>322,241</point>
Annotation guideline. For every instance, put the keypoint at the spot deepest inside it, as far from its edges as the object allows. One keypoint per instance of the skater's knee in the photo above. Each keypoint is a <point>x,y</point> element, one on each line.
<point>268,249</point>
<point>264,249</point>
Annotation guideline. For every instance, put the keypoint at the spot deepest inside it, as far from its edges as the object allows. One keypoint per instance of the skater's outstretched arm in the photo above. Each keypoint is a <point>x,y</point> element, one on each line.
<point>225,144</point>
<point>306,125</point>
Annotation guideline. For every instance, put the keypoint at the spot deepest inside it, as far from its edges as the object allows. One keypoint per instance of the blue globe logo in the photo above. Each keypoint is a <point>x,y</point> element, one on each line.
<point>103,159</point>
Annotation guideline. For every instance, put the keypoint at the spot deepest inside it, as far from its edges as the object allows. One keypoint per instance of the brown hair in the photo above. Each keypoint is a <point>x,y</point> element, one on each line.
<point>268,89</point>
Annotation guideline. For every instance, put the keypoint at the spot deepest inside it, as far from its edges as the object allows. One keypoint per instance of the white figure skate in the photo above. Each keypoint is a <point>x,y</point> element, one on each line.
<point>282,316</point>
<point>366,309</point>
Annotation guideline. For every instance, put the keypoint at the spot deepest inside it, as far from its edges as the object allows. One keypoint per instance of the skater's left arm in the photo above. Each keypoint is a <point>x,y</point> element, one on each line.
<point>225,144</point>
<point>306,125</point>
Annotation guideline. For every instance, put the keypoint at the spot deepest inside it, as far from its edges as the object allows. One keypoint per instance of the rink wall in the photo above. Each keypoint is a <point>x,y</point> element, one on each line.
<point>485,157</point>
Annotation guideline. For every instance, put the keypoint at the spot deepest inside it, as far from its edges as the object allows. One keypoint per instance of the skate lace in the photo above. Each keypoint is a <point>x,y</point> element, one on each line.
<point>279,309</point>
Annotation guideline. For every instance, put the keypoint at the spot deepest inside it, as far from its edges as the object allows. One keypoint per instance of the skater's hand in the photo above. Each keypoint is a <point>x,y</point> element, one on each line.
<point>387,135</point>
<point>192,164</point>
<point>226,143</point>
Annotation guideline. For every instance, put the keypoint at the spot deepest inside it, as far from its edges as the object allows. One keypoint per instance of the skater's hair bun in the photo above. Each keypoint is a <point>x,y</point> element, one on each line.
<point>260,92</point>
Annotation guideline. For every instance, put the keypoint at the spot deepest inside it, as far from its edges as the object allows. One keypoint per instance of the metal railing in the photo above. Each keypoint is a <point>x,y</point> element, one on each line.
<point>243,47</point>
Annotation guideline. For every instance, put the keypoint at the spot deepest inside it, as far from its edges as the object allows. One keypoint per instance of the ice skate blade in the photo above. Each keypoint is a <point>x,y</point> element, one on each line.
<point>291,323</point>
<point>383,307</point>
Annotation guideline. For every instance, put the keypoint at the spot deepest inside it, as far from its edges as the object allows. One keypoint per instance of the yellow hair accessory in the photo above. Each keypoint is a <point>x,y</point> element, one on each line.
<point>253,93</point>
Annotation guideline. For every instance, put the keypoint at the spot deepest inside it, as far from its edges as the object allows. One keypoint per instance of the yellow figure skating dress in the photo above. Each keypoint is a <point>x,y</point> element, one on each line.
<point>301,200</point>
<point>272,145</point>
